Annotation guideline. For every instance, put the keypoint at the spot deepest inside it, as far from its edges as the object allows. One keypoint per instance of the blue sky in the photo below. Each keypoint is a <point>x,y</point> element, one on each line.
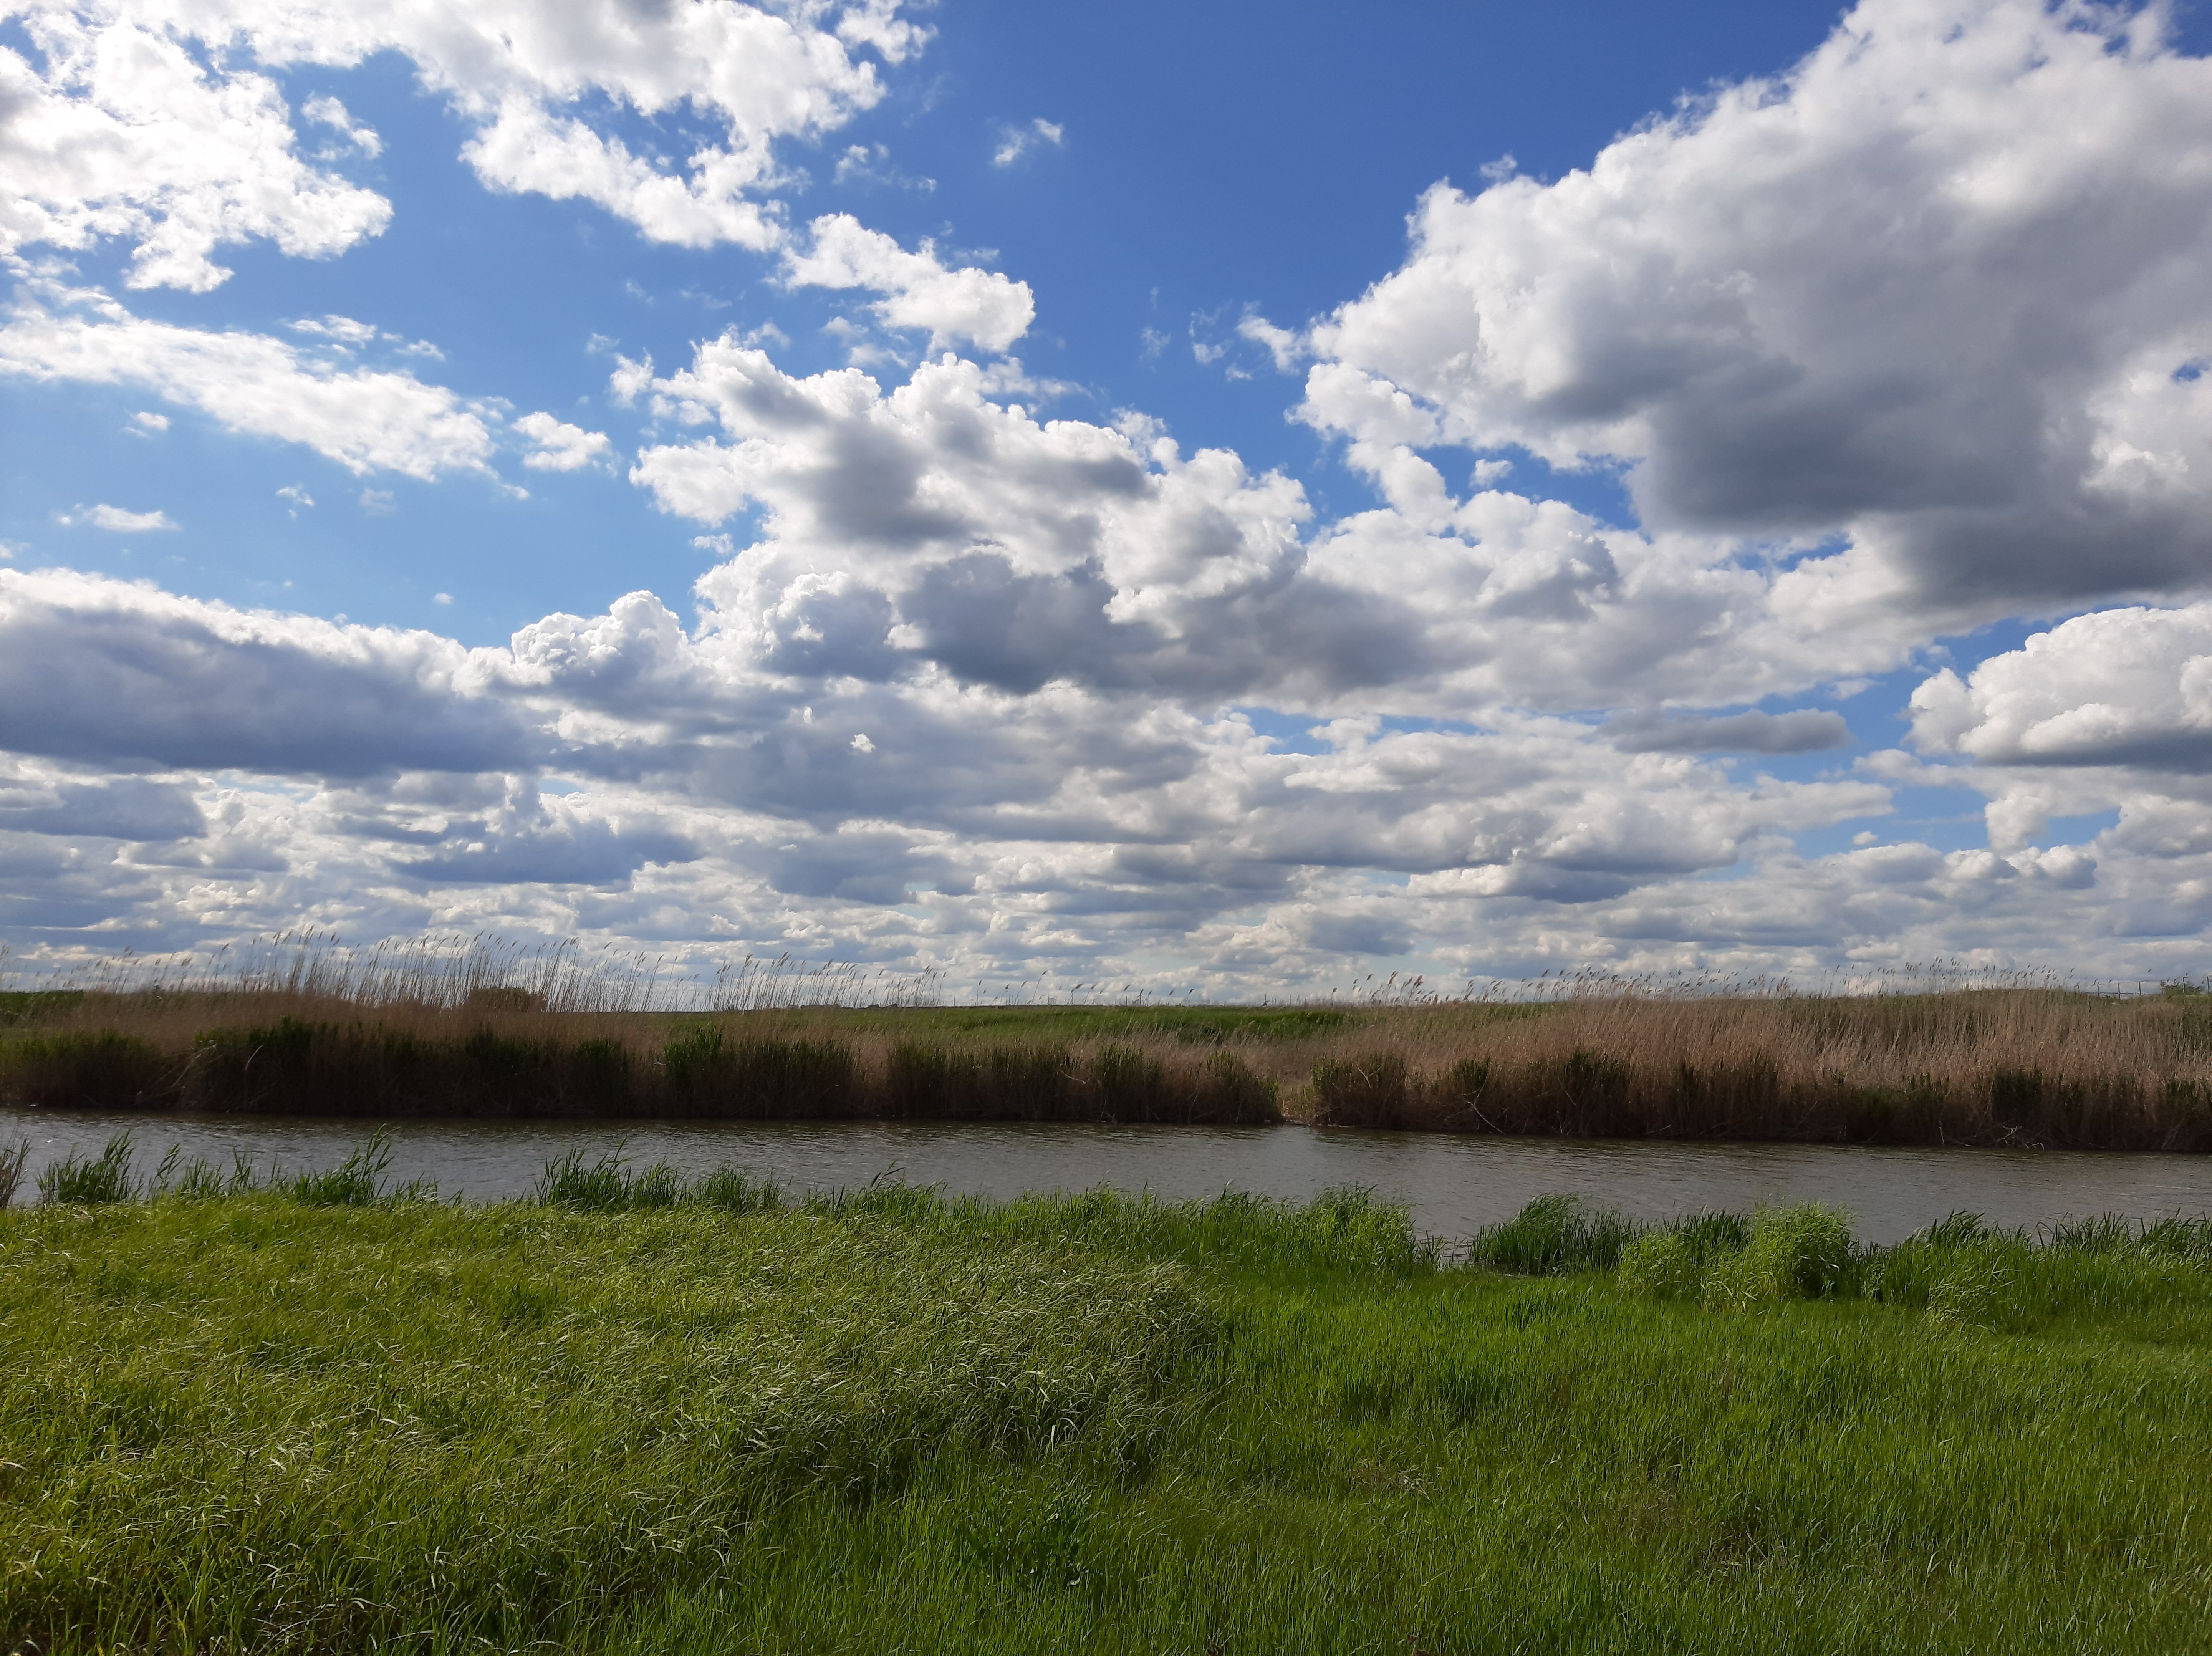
<point>1228,496</point>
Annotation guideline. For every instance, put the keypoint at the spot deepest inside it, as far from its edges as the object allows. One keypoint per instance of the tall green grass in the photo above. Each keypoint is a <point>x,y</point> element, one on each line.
<point>645,1413</point>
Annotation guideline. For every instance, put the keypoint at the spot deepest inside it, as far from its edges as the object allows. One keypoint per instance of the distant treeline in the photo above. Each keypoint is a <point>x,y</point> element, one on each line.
<point>2007,1067</point>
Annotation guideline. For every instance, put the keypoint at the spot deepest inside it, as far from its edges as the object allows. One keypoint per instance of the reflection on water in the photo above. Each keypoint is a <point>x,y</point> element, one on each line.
<point>1453,1184</point>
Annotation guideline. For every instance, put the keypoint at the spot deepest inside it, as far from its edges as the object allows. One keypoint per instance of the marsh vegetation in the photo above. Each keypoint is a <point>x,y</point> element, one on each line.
<point>247,1412</point>
<point>2027,1066</point>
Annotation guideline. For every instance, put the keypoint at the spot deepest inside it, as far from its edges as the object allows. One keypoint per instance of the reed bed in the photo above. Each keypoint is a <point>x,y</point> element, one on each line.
<point>638,1414</point>
<point>2020,1065</point>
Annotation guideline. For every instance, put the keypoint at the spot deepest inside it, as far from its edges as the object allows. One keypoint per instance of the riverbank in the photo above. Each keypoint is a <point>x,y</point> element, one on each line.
<point>2016,1066</point>
<point>646,1415</point>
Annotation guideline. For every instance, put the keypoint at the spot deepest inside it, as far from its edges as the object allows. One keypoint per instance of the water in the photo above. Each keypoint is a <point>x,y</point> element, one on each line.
<point>1454,1185</point>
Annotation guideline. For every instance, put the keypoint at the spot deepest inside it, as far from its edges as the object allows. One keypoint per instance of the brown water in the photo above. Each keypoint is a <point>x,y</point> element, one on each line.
<point>1454,1185</point>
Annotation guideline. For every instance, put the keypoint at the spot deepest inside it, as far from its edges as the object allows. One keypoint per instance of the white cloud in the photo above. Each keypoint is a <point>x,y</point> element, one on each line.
<point>560,447</point>
<point>119,131</point>
<point>1016,142</point>
<point>117,520</point>
<point>980,305</point>
<point>329,111</point>
<point>1927,292</point>
<point>1285,347</point>
<point>366,420</point>
<point>147,423</point>
<point>2129,687</point>
<point>98,668</point>
<point>160,123</point>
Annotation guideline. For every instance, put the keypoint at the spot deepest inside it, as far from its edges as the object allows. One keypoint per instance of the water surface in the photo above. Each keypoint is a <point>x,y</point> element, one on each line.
<point>1453,1184</point>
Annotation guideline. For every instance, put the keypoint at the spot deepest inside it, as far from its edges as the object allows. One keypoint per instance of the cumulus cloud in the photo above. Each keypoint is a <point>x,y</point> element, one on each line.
<point>559,446</point>
<point>162,124</point>
<point>98,669</point>
<point>121,132</point>
<point>1925,292</point>
<point>982,307</point>
<point>2127,687</point>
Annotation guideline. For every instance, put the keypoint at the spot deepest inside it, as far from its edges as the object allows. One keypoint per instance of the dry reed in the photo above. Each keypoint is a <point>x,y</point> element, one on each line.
<point>488,1029</point>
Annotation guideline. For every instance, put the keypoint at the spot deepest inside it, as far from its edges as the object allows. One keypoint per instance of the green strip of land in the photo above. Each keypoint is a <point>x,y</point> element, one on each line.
<point>640,1417</point>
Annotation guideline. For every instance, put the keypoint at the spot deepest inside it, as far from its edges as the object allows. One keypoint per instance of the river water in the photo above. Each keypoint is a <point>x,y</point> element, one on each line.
<point>1453,1184</point>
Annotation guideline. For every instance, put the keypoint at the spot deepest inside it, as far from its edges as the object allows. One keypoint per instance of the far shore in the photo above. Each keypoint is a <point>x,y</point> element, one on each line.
<point>2022,1067</point>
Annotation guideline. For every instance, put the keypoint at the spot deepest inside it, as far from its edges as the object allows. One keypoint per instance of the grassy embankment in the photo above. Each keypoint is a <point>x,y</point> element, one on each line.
<point>635,1415</point>
<point>2015,1066</point>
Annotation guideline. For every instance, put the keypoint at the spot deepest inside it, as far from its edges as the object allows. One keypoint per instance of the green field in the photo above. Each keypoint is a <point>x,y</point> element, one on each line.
<point>638,1416</point>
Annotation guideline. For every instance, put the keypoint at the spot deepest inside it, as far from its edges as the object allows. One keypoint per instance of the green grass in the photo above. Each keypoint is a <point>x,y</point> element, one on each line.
<point>645,1414</point>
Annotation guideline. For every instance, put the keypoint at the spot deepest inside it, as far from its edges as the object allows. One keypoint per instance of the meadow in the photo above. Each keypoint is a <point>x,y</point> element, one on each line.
<point>2021,1064</point>
<point>246,1412</point>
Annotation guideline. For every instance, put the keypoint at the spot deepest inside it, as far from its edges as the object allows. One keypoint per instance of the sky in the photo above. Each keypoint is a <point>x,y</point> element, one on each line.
<point>1225,499</point>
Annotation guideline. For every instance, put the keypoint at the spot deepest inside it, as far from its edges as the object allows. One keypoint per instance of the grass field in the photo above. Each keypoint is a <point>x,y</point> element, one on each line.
<point>638,1415</point>
<point>2021,1066</point>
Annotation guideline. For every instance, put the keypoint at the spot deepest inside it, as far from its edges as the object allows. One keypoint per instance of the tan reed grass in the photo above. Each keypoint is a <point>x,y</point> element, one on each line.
<point>2018,1061</point>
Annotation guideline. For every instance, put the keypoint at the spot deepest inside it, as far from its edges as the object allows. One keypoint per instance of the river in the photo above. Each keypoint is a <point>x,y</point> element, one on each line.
<point>1454,1185</point>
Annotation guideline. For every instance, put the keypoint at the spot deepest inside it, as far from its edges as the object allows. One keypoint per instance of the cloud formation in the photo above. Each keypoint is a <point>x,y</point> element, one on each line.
<point>365,419</point>
<point>1906,338</point>
<point>160,123</point>
<point>1925,292</point>
<point>980,307</point>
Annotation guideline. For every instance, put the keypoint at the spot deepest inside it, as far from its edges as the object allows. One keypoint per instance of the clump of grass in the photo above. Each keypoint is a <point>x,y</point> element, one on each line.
<point>77,1181</point>
<point>353,1183</point>
<point>1553,1236</point>
<point>1801,1251</point>
<point>85,1069</point>
<point>1368,1089</point>
<point>13,1160</point>
<point>1671,1261</point>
